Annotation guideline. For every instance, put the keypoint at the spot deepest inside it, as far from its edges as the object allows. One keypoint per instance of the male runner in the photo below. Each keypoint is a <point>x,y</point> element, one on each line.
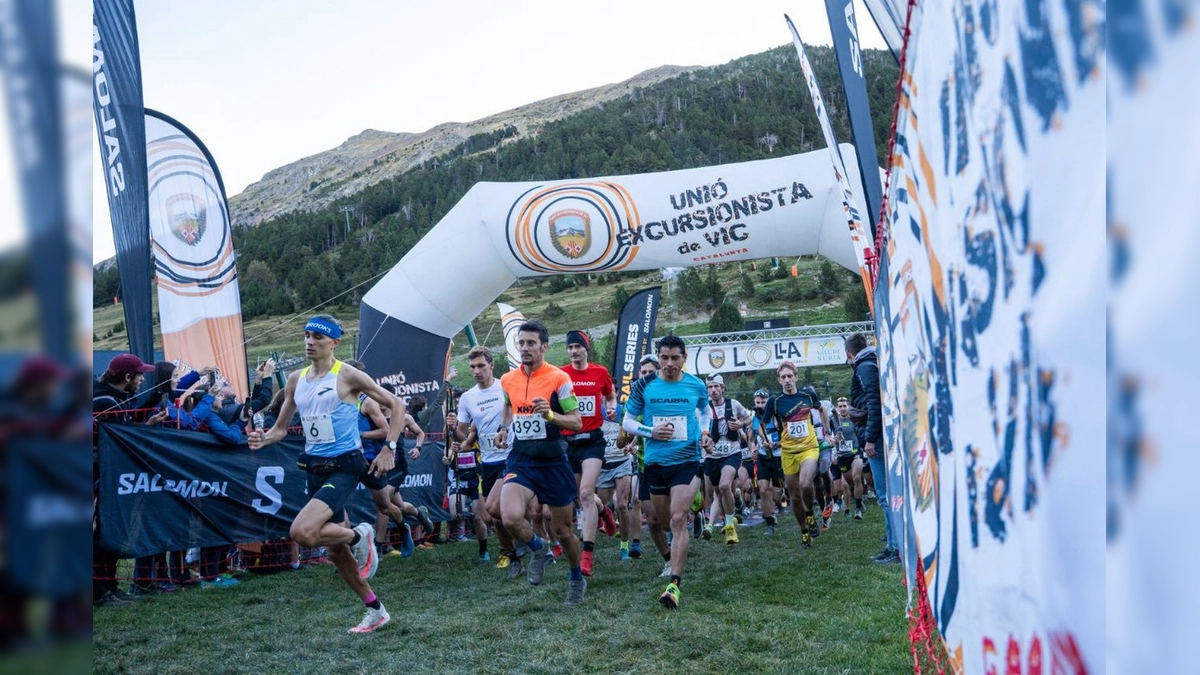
<point>849,459</point>
<point>792,413</point>
<point>676,418</point>
<point>326,395</point>
<point>615,479</point>
<point>539,402</point>
<point>642,505</point>
<point>585,448</point>
<point>722,463</point>
<point>373,428</point>
<point>479,411</point>
<point>770,469</point>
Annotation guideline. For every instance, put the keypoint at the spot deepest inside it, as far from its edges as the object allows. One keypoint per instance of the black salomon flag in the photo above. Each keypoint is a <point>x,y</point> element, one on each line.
<point>121,128</point>
<point>635,331</point>
<point>844,28</point>
<point>168,490</point>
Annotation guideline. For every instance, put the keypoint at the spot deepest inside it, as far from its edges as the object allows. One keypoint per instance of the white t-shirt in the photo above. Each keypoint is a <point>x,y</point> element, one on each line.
<point>484,408</point>
<point>612,453</point>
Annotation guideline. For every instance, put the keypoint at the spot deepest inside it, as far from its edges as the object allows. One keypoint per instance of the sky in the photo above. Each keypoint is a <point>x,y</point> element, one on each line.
<point>264,84</point>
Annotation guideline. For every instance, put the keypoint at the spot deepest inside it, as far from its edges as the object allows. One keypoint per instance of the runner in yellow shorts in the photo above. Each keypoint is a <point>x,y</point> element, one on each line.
<point>792,413</point>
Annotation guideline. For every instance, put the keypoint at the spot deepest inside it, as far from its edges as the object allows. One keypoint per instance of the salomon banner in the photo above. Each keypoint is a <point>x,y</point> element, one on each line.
<point>120,127</point>
<point>635,335</point>
<point>200,311</point>
<point>29,64</point>
<point>844,28</point>
<point>991,327</point>
<point>167,489</point>
<point>49,515</point>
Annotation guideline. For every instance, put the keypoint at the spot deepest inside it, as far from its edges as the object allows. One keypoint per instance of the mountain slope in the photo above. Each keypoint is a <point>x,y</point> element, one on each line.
<point>371,156</point>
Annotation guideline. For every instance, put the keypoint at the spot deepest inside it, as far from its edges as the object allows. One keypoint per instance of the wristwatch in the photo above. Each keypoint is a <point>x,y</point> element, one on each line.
<point>392,445</point>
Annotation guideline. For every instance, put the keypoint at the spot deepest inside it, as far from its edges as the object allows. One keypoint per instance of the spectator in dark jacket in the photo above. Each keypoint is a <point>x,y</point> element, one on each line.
<point>114,399</point>
<point>864,399</point>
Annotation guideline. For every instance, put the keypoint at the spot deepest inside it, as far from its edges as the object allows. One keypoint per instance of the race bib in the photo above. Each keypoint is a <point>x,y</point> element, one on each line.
<point>529,428</point>
<point>587,406</point>
<point>723,448</point>
<point>679,422</point>
<point>466,460</point>
<point>318,428</point>
<point>487,443</point>
<point>798,429</point>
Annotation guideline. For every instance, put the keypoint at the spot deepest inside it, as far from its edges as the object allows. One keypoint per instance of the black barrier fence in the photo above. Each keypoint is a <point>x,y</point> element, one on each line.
<point>165,490</point>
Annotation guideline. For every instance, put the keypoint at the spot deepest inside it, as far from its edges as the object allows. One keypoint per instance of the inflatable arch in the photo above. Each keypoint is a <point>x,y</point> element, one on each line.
<point>499,232</point>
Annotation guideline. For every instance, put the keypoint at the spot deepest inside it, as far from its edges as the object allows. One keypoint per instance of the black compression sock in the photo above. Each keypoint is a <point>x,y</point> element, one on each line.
<point>676,579</point>
<point>482,546</point>
<point>357,538</point>
<point>589,546</point>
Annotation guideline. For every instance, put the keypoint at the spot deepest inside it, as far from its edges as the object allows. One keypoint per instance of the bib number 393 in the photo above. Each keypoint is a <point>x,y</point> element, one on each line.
<point>529,428</point>
<point>797,429</point>
<point>318,428</point>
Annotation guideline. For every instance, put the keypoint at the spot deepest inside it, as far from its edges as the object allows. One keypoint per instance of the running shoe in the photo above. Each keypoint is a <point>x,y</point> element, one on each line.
<point>635,550</point>
<point>805,540</point>
<point>557,551</point>
<point>666,571</point>
<point>219,582</point>
<point>837,507</point>
<point>485,557</point>
<point>670,597</point>
<point>848,512</point>
<point>364,551</point>
<point>407,546</point>
<point>575,591</point>
<point>608,524</point>
<point>426,521</point>
<point>827,511</point>
<point>890,557</point>
<point>706,534</point>
<point>585,563</point>
<point>502,561</point>
<point>515,568</point>
<point>537,568</point>
<point>814,530</point>
<point>825,523</point>
<point>372,621</point>
<point>625,555</point>
<point>770,531</point>
<point>731,536</point>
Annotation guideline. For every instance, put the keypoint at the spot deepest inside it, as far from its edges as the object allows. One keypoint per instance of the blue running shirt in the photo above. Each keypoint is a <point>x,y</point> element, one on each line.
<point>655,399</point>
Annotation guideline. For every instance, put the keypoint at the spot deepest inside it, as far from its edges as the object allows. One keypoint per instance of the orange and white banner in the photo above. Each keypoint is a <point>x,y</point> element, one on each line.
<point>511,320</point>
<point>200,312</point>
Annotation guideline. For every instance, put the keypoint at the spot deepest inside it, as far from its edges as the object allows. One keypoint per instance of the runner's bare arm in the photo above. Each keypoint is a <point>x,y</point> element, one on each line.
<point>372,410</point>
<point>410,424</point>
<point>358,381</point>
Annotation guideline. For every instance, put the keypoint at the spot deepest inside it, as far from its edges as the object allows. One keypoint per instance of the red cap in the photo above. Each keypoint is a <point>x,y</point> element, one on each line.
<point>40,368</point>
<point>127,364</point>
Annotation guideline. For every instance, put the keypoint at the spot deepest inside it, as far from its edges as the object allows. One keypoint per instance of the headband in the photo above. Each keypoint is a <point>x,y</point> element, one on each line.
<point>323,326</point>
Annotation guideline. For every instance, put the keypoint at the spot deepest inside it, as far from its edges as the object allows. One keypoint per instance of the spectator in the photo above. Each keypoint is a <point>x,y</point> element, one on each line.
<point>114,399</point>
<point>866,413</point>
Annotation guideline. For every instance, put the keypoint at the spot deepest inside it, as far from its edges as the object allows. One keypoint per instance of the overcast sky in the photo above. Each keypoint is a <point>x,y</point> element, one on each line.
<point>264,84</point>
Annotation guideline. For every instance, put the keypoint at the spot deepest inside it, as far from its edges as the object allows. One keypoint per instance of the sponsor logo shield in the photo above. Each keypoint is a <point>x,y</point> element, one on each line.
<point>187,218</point>
<point>716,358</point>
<point>571,232</point>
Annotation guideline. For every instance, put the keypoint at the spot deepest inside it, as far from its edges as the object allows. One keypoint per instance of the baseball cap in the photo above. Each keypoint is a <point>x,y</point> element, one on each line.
<point>763,393</point>
<point>127,364</point>
<point>40,369</point>
<point>649,358</point>
<point>716,379</point>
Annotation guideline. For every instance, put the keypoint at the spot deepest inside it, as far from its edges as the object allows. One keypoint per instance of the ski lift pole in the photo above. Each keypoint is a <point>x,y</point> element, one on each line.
<point>470,331</point>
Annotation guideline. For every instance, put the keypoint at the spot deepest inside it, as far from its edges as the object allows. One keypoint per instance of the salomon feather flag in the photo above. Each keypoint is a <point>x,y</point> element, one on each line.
<point>200,312</point>
<point>117,106</point>
<point>635,331</point>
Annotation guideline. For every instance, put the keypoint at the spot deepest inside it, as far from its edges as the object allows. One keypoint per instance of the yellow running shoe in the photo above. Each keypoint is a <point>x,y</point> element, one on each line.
<point>670,597</point>
<point>731,536</point>
<point>502,562</point>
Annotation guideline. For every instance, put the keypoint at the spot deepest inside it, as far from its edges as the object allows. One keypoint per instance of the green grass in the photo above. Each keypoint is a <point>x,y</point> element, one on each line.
<point>765,606</point>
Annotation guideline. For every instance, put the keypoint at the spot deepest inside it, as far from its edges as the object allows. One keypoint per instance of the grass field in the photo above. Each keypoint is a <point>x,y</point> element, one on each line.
<point>766,606</point>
